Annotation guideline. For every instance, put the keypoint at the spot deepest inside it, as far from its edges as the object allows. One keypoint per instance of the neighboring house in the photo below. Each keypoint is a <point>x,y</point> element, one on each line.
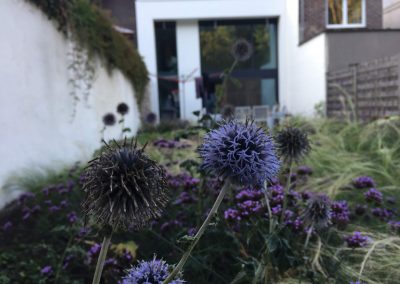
<point>295,43</point>
<point>391,14</point>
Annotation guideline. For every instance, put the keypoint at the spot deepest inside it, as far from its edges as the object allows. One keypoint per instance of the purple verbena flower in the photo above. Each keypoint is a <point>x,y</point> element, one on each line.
<point>54,208</point>
<point>374,195</point>
<point>340,213</point>
<point>7,226</point>
<point>72,217</point>
<point>395,226</point>
<point>154,271</point>
<point>249,194</point>
<point>363,182</point>
<point>357,240</point>
<point>243,153</point>
<point>295,225</point>
<point>47,270</point>
<point>249,207</point>
<point>232,215</point>
<point>304,170</point>
<point>382,213</point>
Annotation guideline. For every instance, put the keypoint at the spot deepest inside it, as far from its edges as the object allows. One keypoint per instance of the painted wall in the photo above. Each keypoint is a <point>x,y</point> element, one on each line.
<point>187,13</point>
<point>305,83</point>
<point>391,14</point>
<point>35,101</point>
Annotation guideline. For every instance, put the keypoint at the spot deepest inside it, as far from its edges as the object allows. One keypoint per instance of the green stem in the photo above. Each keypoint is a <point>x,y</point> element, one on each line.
<point>286,192</point>
<point>308,236</point>
<point>271,221</point>
<point>101,259</point>
<point>197,237</point>
<point>62,259</point>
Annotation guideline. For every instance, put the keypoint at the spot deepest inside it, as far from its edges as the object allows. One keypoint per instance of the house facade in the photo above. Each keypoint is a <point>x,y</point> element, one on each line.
<point>391,14</point>
<point>293,44</point>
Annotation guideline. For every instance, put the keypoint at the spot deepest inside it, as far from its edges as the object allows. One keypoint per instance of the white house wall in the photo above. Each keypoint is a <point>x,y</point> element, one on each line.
<point>305,65</point>
<point>35,101</point>
<point>301,80</point>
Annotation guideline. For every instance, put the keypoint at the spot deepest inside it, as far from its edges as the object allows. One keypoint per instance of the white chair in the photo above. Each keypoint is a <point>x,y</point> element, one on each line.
<point>242,113</point>
<point>261,113</point>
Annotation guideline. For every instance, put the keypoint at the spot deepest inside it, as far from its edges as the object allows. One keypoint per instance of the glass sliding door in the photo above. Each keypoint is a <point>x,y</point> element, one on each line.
<point>255,80</point>
<point>167,70</point>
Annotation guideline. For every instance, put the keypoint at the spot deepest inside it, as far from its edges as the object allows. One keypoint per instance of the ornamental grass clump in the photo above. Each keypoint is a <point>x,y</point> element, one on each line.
<point>238,153</point>
<point>124,190</point>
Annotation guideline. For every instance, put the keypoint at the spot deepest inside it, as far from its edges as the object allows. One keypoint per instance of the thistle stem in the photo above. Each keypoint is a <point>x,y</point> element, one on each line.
<point>271,221</point>
<point>309,232</point>
<point>198,235</point>
<point>101,259</point>
<point>286,192</point>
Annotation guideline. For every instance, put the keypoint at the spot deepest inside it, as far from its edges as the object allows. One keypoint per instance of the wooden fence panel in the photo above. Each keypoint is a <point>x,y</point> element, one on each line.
<point>365,91</point>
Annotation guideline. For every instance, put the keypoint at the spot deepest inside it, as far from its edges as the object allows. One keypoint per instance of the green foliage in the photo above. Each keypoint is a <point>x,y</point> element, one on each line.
<point>92,29</point>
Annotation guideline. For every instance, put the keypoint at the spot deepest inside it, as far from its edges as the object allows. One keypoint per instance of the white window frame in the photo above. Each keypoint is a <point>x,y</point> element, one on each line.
<point>345,24</point>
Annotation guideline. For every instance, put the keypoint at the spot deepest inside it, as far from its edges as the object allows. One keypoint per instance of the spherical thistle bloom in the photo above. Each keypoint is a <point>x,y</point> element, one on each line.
<point>122,108</point>
<point>243,153</point>
<point>357,240</point>
<point>124,188</point>
<point>292,144</point>
<point>109,119</point>
<point>363,182</point>
<point>242,50</point>
<point>149,272</point>
<point>317,212</point>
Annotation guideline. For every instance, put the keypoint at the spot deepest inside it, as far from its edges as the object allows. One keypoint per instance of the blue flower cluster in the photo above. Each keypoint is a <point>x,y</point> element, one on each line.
<point>374,195</point>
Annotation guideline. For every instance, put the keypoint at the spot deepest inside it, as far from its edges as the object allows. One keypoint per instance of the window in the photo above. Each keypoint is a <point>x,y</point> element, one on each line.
<point>255,80</point>
<point>346,14</point>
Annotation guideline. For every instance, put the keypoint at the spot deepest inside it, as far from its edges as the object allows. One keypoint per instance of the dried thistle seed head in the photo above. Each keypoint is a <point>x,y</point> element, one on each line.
<point>317,212</point>
<point>109,119</point>
<point>124,188</point>
<point>122,108</point>
<point>243,153</point>
<point>242,50</point>
<point>292,144</point>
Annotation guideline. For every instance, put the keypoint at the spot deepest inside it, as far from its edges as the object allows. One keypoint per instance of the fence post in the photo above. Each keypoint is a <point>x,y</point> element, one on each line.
<point>354,69</point>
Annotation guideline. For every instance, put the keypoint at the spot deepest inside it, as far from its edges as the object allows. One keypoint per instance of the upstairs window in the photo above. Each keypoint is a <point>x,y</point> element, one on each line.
<point>346,14</point>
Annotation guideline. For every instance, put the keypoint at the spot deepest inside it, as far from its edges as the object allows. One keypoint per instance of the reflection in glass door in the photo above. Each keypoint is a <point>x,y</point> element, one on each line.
<point>167,70</point>
<point>255,79</point>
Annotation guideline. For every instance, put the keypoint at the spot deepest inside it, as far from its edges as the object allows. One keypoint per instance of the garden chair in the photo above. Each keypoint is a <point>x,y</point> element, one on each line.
<point>242,113</point>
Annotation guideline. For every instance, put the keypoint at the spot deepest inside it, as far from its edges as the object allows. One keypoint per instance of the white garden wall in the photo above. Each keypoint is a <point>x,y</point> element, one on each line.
<point>35,102</point>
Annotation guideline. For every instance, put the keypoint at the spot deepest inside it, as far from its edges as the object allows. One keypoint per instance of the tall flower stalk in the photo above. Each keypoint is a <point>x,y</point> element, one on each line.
<point>240,154</point>
<point>124,190</point>
<point>292,144</point>
<point>199,234</point>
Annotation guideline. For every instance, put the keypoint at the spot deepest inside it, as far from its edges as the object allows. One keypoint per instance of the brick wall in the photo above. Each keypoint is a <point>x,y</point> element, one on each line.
<point>374,14</point>
<point>312,17</point>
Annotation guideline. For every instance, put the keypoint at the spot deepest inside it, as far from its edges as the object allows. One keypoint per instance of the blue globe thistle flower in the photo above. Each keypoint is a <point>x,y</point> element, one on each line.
<point>149,272</point>
<point>243,153</point>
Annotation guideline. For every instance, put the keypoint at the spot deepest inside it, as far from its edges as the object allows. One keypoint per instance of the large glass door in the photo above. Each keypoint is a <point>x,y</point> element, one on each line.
<point>255,79</point>
<point>167,70</point>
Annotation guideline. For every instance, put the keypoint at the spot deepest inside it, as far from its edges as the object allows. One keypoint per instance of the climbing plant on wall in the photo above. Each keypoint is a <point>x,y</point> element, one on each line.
<point>90,28</point>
